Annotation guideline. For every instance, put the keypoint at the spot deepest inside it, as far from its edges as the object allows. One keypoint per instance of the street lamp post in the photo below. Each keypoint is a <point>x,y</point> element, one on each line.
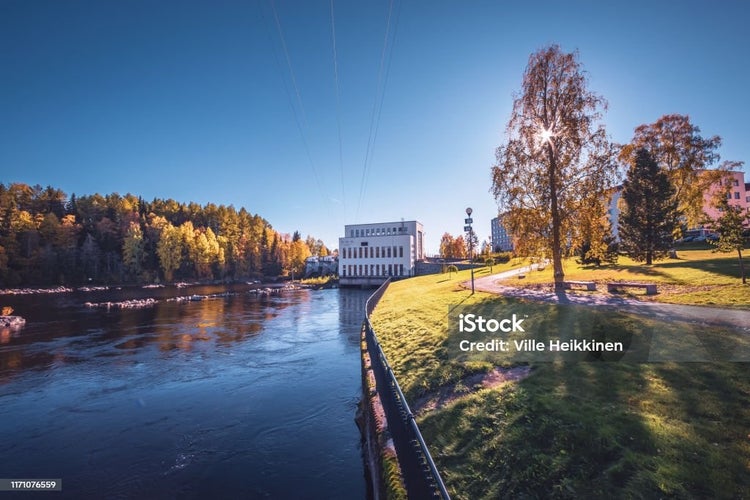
<point>468,229</point>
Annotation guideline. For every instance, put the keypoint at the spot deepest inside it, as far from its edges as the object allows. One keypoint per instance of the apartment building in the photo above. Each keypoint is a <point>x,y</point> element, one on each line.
<point>502,240</point>
<point>737,195</point>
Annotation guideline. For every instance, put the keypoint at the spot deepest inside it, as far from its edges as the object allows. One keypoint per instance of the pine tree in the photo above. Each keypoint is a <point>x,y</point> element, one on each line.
<point>649,218</point>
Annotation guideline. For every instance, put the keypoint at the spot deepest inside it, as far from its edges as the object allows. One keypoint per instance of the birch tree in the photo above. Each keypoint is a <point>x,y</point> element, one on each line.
<point>557,159</point>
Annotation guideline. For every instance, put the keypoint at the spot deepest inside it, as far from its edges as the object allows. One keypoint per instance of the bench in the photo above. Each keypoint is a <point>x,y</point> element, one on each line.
<point>590,285</point>
<point>650,287</point>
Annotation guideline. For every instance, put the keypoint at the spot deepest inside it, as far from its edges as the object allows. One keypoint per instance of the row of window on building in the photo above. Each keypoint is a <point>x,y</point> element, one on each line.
<point>372,270</point>
<point>737,196</point>
<point>372,252</point>
<point>375,231</point>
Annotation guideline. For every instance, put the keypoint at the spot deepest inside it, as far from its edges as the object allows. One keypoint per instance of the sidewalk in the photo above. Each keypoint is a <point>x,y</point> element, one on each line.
<point>716,316</point>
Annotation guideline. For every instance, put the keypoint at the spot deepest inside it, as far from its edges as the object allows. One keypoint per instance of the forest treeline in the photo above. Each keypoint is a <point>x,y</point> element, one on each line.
<point>47,238</point>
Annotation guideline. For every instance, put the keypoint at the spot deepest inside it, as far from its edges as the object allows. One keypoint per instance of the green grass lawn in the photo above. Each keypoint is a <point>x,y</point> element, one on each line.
<point>697,276</point>
<point>569,430</point>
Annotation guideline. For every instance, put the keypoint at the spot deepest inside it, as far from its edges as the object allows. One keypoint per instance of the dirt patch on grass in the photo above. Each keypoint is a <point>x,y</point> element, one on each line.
<point>450,392</point>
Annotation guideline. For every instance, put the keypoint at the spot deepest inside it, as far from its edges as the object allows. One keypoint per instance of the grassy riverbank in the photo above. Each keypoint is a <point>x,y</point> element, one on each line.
<point>568,430</point>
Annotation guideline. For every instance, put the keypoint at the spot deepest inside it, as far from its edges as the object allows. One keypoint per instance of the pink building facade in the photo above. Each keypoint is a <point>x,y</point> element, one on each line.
<point>738,194</point>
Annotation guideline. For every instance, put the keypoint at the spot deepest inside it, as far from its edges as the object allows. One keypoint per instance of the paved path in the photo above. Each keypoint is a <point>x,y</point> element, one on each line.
<point>736,318</point>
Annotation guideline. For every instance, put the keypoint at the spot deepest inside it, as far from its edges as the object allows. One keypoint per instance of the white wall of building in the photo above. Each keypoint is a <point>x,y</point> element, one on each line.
<point>380,249</point>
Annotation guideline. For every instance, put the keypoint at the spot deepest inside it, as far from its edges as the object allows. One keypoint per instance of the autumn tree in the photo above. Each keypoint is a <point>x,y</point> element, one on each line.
<point>46,239</point>
<point>460,249</point>
<point>446,245</point>
<point>730,226</point>
<point>169,250</point>
<point>683,154</point>
<point>596,242</point>
<point>298,253</point>
<point>649,216</point>
<point>556,159</point>
<point>133,249</point>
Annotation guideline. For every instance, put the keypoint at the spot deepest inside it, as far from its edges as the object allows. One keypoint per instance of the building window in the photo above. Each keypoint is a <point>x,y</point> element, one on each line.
<point>389,252</point>
<point>372,269</point>
<point>377,252</point>
<point>402,270</point>
<point>736,195</point>
<point>390,269</point>
<point>401,252</point>
<point>736,182</point>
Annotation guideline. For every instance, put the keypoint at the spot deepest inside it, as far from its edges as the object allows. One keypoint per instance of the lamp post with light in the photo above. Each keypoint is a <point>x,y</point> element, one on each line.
<point>467,228</point>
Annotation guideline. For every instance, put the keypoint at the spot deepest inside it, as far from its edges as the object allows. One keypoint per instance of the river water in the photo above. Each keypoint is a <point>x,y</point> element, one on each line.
<point>234,396</point>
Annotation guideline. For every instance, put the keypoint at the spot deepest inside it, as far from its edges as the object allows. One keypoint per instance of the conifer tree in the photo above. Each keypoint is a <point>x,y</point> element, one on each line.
<point>649,217</point>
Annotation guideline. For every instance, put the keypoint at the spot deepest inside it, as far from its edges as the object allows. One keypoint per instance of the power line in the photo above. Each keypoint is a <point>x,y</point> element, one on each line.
<point>288,60</point>
<point>338,107</point>
<point>379,96</point>
<point>295,112</point>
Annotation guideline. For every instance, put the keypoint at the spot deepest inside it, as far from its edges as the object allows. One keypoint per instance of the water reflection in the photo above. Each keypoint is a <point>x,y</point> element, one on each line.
<point>352,311</point>
<point>60,330</point>
<point>234,396</point>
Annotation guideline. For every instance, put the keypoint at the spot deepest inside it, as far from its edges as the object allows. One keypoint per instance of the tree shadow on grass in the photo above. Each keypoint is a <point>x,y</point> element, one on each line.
<point>722,266</point>
<point>647,271</point>
<point>595,429</point>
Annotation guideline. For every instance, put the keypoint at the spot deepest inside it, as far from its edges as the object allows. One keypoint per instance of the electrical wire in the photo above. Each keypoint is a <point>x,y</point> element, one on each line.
<point>299,109</point>
<point>338,107</point>
<point>377,107</point>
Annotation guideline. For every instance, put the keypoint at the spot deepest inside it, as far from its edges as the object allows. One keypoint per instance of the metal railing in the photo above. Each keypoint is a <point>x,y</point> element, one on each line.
<point>421,476</point>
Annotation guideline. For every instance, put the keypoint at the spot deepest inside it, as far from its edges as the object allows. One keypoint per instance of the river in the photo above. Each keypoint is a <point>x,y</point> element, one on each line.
<point>234,396</point>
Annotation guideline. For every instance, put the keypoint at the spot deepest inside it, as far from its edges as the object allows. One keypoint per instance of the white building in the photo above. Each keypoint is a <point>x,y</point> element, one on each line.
<point>321,266</point>
<point>370,253</point>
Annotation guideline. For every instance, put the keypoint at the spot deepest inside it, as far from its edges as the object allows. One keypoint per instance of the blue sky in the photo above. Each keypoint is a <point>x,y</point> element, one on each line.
<point>195,100</point>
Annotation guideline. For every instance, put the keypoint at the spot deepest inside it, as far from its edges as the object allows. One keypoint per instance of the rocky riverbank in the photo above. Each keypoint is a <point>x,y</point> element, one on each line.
<point>12,322</point>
